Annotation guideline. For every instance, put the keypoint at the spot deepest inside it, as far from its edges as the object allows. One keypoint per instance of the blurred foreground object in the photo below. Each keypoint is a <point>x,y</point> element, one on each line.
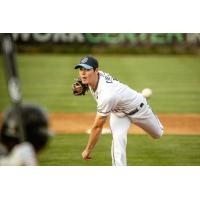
<point>35,125</point>
<point>13,79</point>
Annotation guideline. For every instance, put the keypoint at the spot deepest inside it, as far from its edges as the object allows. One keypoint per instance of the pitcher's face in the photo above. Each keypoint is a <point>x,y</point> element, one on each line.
<point>88,76</point>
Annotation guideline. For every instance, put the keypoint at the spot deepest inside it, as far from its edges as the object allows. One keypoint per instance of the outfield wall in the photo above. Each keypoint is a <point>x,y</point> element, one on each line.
<point>170,43</point>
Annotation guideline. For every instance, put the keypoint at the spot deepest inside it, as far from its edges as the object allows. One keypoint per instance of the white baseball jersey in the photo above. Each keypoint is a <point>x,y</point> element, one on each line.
<point>113,96</point>
<point>22,154</point>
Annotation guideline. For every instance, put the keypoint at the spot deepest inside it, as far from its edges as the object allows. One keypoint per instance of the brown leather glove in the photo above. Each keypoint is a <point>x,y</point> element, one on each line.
<point>79,88</point>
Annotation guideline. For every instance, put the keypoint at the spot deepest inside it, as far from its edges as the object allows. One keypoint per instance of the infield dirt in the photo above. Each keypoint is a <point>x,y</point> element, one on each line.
<point>80,122</point>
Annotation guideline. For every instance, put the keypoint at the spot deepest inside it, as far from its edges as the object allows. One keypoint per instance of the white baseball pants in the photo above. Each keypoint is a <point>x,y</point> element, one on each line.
<point>144,118</point>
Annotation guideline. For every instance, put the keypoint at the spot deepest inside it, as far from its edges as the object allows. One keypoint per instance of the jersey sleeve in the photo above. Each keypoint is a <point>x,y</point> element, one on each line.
<point>104,107</point>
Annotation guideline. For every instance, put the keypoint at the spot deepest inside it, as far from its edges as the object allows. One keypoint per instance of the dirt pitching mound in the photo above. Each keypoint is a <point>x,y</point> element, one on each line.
<point>81,122</point>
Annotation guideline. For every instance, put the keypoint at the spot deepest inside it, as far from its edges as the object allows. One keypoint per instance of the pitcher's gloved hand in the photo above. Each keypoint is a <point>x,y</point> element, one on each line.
<point>79,88</point>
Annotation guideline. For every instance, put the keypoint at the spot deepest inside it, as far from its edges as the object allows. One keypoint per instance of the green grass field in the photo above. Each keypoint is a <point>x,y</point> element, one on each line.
<point>175,80</point>
<point>47,79</point>
<point>170,150</point>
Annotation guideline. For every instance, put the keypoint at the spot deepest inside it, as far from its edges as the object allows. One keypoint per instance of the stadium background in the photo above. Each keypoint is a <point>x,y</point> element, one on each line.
<point>168,63</point>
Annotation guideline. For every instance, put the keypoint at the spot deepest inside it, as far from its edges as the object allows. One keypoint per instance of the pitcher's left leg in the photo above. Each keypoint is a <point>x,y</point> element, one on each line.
<point>151,125</point>
<point>119,127</point>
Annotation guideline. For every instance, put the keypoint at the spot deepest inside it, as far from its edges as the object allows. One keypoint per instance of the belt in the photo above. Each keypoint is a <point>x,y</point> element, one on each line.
<point>136,110</point>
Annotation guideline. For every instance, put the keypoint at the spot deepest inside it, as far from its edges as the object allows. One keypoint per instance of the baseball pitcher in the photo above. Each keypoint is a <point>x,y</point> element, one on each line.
<point>115,99</point>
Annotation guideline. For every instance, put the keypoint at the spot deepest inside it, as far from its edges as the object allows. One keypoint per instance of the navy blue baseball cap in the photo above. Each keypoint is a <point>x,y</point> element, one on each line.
<point>88,62</point>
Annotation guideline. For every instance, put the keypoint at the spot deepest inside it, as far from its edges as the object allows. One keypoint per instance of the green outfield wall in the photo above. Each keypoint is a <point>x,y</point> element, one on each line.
<point>170,43</point>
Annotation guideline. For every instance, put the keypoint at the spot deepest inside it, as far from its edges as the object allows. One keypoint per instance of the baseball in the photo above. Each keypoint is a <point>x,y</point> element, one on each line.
<point>147,92</point>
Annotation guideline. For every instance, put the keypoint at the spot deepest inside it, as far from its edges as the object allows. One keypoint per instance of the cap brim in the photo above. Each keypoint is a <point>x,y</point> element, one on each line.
<point>84,66</point>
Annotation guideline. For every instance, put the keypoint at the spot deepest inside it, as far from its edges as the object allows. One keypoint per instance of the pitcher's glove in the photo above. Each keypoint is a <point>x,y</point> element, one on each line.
<point>79,88</point>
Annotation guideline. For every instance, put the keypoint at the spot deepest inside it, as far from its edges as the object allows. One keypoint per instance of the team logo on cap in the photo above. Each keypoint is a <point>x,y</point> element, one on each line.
<point>84,60</point>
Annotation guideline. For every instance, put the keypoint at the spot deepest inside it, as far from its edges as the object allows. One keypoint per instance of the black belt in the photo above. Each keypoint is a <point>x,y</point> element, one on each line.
<point>136,110</point>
